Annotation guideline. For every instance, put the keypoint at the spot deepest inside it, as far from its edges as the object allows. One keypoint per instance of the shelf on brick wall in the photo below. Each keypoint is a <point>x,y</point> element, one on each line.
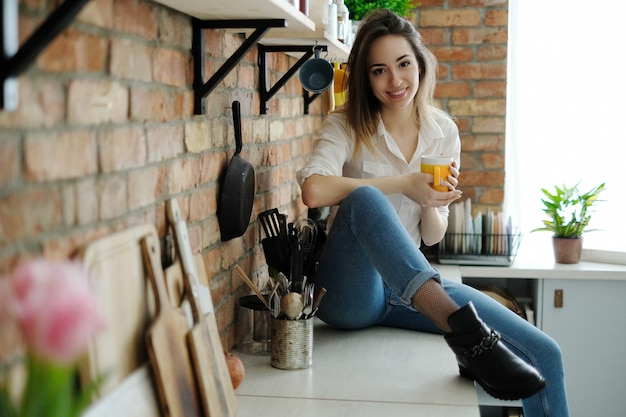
<point>275,23</point>
<point>300,29</point>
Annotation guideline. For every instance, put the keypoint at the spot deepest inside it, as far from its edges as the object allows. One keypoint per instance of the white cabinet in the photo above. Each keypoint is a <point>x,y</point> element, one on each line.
<point>590,329</point>
<point>585,315</point>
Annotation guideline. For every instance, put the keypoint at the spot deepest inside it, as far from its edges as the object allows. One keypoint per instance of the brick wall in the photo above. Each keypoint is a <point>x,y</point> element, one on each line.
<point>469,37</point>
<point>105,132</point>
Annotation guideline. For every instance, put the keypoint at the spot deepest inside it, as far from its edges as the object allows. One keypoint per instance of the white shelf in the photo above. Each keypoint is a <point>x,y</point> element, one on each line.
<point>242,9</point>
<point>300,29</point>
<point>337,51</point>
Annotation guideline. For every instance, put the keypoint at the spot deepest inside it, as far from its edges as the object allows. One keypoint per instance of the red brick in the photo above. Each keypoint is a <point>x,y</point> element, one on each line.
<point>469,160</point>
<point>170,67</point>
<point>87,201</point>
<point>479,36</point>
<point>496,18</point>
<point>483,178</point>
<point>442,72</point>
<point>490,89</point>
<point>113,195</point>
<point>155,104</point>
<point>197,137</point>
<point>432,36</point>
<point>479,71</point>
<point>211,234</point>
<point>449,18</point>
<point>478,107</point>
<point>463,123</point>
<point>483,142</point>
<point>489,125</point>
<point>174,29</point>
<point>430,3</point>
<point>142,187</point>
<point>232,250</point>
<point>60,155</point>
<point>136,17</point>
<point>492,52</point>
<point>122,149</point>
<point>10,158</point>
<point>477,3</point>
<point>74,51</point>
<point>97,12</point>
<point>450,90</point>
<point>211,166</point>
<point>492,196</point>
<point>149,104</point>
<point>213,43</point>
<point>130,60</point>
<point>203,203</point>
<point>41,104</point>
<point>95,102</point>
<point>184,175</point>
<point>493,160</point>
<point>164,142</point>
<point>453,53</point>
<point>27,213</point>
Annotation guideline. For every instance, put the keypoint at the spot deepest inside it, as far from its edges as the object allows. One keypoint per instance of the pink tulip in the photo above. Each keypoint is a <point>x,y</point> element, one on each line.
<point>55,308</point>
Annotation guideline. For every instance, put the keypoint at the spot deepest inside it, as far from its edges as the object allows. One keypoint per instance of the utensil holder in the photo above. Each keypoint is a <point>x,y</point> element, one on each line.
<point>292,344</point>
<point>253,327</point>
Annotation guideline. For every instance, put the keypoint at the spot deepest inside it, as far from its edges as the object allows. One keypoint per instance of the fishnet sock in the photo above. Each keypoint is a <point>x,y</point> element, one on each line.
<point>435,303</point>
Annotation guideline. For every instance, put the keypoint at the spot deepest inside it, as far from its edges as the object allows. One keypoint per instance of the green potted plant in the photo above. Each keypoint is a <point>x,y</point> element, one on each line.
<point>360,8</point>
<point>569,212</point>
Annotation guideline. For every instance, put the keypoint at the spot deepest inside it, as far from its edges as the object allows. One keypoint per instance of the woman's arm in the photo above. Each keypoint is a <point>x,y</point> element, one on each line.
<point>329,190</point>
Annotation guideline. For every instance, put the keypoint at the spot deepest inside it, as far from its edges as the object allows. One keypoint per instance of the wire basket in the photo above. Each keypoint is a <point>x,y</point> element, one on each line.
<point>479,249</point>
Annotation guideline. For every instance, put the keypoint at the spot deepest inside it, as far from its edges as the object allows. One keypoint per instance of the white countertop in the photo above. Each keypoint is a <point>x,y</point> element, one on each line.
<point>372,372</point>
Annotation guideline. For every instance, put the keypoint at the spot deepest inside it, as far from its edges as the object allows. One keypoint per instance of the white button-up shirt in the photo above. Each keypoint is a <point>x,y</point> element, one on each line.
<point>334,155</point>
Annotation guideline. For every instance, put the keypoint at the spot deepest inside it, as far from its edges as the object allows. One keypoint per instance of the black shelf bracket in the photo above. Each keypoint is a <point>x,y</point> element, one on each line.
<point>13,59</point>
<point>200,87</point>
<point>267,94</point>
<point>308,99</point>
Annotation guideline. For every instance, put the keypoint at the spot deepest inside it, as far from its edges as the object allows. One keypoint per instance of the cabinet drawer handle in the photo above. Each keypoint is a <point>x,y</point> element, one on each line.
<point>558,298</point>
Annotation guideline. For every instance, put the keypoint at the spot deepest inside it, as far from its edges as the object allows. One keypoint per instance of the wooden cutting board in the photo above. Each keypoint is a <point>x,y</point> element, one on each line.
<point>212,376</point>
<point>211,372</point>
<point>166,339</point>
<point>117,276</point>
<point>217,396</point>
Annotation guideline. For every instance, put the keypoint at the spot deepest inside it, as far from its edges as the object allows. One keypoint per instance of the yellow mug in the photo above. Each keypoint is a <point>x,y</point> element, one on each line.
<point>439,167</point>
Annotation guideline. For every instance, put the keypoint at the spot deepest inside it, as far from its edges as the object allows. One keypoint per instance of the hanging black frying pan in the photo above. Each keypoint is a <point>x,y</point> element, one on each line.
<point>237,194</point>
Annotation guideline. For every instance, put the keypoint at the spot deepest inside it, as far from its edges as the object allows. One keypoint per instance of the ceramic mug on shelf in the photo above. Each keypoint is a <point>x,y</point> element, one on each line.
<point>316,74</point>
<point>439,167</point>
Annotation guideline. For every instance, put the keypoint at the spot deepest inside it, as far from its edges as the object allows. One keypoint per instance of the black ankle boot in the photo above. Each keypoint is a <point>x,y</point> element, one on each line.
<point>484,359</point>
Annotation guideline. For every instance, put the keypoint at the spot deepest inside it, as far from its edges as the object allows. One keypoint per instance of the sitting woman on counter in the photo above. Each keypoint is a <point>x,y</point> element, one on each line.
<point>366,161</point>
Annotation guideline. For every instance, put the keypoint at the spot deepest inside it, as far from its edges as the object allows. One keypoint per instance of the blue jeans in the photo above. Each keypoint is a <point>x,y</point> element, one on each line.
<point>371,268</point>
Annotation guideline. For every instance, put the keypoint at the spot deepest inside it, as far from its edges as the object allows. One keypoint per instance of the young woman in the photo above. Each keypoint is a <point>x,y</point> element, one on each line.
<point>366,162</point>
